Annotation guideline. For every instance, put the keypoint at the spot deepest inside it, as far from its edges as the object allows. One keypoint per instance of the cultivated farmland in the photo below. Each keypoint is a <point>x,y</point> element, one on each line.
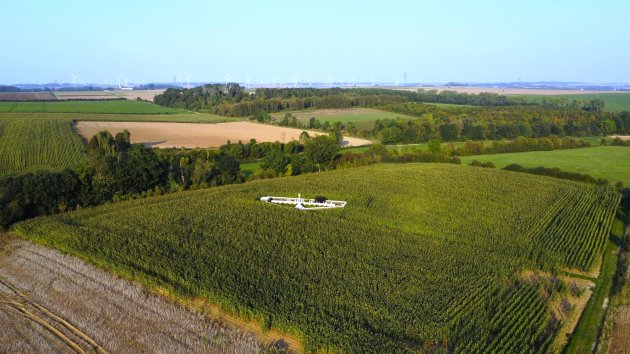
<point>451,258</point>
<point>28,144</point>
<point>607,162</point>
<point>50,302</point>
<point>25,96</point>
<point>165,135</point>
<point>116,106</point>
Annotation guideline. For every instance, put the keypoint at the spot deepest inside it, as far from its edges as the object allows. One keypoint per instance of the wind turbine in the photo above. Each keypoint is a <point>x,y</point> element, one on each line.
<point>295,80</point>
<point>247,81</point>
<point>74,79</point>
<point>274,78</point>
<point>119,76</point>
<point>187,80</point>
<point>354,81</point>
<point>330,80</point>
<point>228,79</point>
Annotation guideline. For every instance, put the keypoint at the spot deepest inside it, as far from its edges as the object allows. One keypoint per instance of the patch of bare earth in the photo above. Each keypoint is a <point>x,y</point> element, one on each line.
<point>26,96</point>
<point>622,137</point>
<point>192,135</point>
<point>50,302</point>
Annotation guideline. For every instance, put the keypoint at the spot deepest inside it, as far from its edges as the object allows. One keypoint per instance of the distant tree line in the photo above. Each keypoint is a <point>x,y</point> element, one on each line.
<point>520,144</point>
<point>9,89</point>
<point>232,100</point>
<point>493,123</point>
<point>558,173</point>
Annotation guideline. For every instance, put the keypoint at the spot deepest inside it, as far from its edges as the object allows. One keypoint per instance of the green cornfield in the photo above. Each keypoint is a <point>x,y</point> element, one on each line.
<point>38,144</point>
<point>424,257</point>
<point>107,107</point>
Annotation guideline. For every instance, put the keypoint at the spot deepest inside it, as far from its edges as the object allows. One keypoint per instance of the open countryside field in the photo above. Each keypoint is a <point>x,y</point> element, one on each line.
<point>48,141</point>
<point>84,95</point>
<point>25,96</point>
<point>501,90</point>
<point>29,144</point>
<point>390,272</point>
<point>47,298</point>
<point>116,106</point>
<point>608,162</point>
<point>146,95</point>
<point>189,135</point>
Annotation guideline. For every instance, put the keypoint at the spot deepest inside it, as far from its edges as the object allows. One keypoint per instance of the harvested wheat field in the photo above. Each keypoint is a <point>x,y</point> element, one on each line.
<point>50,302</point>
<point>191,135</point>
<point>502,90</point>
<point>146,95</point>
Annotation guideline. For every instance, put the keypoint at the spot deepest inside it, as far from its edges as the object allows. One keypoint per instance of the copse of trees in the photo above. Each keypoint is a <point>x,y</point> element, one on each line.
<point>116,170</point>
<point>232,100</point>
<point>557,173</point>
<point>493,123</point>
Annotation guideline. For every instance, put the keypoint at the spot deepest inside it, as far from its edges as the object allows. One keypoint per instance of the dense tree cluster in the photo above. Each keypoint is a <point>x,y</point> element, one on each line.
<point>493,123</point>
<point>116,170</point>
<point>232,100</point>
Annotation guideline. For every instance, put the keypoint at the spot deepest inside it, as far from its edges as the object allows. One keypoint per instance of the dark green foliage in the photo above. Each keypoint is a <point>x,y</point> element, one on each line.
<point>496,123</point>
<point>39,193</point>
<point>553,172</point>
<point>321,150</point>
<point>487,164</point>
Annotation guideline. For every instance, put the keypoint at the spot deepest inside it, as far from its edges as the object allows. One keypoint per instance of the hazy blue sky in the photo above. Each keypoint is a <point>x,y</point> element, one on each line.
<point>433,41</point>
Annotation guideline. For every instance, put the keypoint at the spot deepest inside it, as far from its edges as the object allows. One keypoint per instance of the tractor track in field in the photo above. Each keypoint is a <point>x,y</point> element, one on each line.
<point>76,340</point>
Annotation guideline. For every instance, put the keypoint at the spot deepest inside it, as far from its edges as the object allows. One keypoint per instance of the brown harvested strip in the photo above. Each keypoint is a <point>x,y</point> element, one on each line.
<point>42,323</point>
<point>65,323</point>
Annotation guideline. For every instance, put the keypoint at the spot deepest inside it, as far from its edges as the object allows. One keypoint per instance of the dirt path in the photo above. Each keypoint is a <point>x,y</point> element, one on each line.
<point>50,302</point>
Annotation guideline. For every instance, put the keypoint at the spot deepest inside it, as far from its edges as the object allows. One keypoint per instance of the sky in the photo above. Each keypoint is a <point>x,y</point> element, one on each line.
<point>362,41</point>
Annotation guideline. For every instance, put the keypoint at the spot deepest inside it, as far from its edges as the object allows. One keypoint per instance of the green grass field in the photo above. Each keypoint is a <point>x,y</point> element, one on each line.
<point>609,162</point>
<point>104,107</point>
<point>424,257</point>
<point>615,102</point>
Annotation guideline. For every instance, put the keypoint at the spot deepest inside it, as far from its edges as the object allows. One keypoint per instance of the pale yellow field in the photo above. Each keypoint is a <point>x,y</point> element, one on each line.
<point>501,91</point>
<point>191,135</point>
<point>146,95</point>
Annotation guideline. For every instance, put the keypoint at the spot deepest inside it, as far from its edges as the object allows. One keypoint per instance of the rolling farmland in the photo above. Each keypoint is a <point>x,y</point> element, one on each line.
<point>389,273</point>
<point>608,162</point>
<point>105,107</point>
<point>165,135</point>
<point>38,144</point>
